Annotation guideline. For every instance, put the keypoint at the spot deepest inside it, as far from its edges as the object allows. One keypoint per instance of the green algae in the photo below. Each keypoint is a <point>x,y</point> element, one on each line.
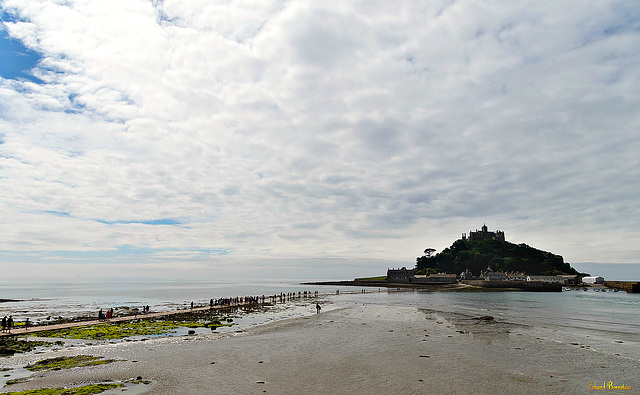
<point>120,330</point>
<point>59,363</point>
<point>18,381</point>
<point>138,381</point>
<point>9,345</point>
<point>84,390</point>
<point>117,330</point>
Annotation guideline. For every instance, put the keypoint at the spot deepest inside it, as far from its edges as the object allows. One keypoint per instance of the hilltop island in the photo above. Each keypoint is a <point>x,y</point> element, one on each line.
<point>480,259</point>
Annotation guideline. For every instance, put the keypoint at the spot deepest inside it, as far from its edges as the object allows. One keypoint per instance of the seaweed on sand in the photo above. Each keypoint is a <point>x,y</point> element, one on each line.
<point>9,345</point>
<point>140,327</point>
<point>59,363</point>
<point>84,390</point>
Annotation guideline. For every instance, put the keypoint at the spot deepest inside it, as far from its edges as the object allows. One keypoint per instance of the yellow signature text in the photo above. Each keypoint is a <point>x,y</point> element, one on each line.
<point>607,386</point>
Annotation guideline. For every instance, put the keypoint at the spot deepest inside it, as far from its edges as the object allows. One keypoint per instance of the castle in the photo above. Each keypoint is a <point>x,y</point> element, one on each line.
<point>484,234</point>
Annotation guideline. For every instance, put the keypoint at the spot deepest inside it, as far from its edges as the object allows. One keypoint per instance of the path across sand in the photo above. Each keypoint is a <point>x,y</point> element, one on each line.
<point>41,328</point>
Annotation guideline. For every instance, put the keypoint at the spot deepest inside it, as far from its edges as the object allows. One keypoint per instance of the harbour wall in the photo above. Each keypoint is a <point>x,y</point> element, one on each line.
<point>629,286</point>
<point>533,286</point>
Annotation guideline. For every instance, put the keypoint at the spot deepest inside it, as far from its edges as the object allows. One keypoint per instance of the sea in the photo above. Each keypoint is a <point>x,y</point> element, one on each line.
<point>572,310</point>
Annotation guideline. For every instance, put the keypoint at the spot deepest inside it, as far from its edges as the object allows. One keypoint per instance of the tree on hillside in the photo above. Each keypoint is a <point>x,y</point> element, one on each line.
<point>479,255</point>
<point>428,253</point>
<point>425,261</point>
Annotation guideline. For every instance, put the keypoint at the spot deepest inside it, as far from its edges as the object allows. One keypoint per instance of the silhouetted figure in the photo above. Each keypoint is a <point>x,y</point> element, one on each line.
<point>318,308</point>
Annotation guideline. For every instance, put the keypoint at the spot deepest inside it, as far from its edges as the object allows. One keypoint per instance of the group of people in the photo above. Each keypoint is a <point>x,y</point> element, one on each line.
<point>236,300</point>
<point>7,324</point>
<point>103,316</point>
<point>282,297</point>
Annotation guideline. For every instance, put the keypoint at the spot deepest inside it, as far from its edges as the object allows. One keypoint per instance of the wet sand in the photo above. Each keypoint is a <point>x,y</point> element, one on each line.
<point>353,350</point>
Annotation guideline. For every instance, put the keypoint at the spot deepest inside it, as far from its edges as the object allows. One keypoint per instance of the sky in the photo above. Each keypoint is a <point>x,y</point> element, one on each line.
<point>313,139</point>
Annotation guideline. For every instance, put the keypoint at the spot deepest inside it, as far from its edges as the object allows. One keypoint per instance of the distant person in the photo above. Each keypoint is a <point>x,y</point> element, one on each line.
<point>4,324</point>
<point>26,324</point>
<point>10,323</point>
<point>192,305</point>
<point>100,315</point>
<point>318,308</point>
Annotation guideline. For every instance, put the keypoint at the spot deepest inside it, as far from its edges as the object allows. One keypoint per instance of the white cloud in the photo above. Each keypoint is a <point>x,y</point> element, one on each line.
<point>273,129</point>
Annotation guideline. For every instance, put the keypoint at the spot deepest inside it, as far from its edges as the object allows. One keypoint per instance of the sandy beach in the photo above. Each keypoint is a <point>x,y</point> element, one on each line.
<point>356,349</point>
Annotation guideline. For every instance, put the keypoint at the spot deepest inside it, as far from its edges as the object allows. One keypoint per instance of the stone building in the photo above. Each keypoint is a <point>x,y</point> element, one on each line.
<point>484,234</point>
<point>402,275</point>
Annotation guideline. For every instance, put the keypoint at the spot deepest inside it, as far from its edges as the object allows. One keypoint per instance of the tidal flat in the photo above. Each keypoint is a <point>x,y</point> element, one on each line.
<point>351,349</point>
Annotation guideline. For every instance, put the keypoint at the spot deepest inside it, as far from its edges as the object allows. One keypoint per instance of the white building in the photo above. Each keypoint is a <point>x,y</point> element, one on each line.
<point>593,280</point>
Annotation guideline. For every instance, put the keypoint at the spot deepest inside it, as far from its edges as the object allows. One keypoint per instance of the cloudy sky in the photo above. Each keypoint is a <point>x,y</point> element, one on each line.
<point>313,138</point>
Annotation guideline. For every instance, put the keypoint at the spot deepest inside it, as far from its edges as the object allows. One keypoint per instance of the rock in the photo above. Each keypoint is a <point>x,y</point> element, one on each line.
<point>486,318</point>
<point>192,332</point>
<point>6,351</point>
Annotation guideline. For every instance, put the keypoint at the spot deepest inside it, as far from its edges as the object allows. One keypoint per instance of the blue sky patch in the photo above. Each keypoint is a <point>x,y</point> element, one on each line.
<point>58,213</point>
<point>17,60</point>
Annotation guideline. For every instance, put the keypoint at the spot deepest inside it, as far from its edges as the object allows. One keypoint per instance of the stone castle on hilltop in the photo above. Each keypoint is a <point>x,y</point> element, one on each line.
<point>484,234</point>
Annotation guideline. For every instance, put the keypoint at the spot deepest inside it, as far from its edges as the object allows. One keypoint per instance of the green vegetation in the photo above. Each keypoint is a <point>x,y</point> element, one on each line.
<point>9,345</point>
<point>379,278</point>
<point>18,381</point>
<point>60,363</point>
<point>85,390</point>
<point>138,381</point>
<point>499,256</point>
<point>120,330</point>
<point>116,330</point>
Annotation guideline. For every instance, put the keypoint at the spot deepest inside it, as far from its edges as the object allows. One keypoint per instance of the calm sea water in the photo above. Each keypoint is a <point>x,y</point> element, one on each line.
<point>40,300</point>
<point>613,312</point>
